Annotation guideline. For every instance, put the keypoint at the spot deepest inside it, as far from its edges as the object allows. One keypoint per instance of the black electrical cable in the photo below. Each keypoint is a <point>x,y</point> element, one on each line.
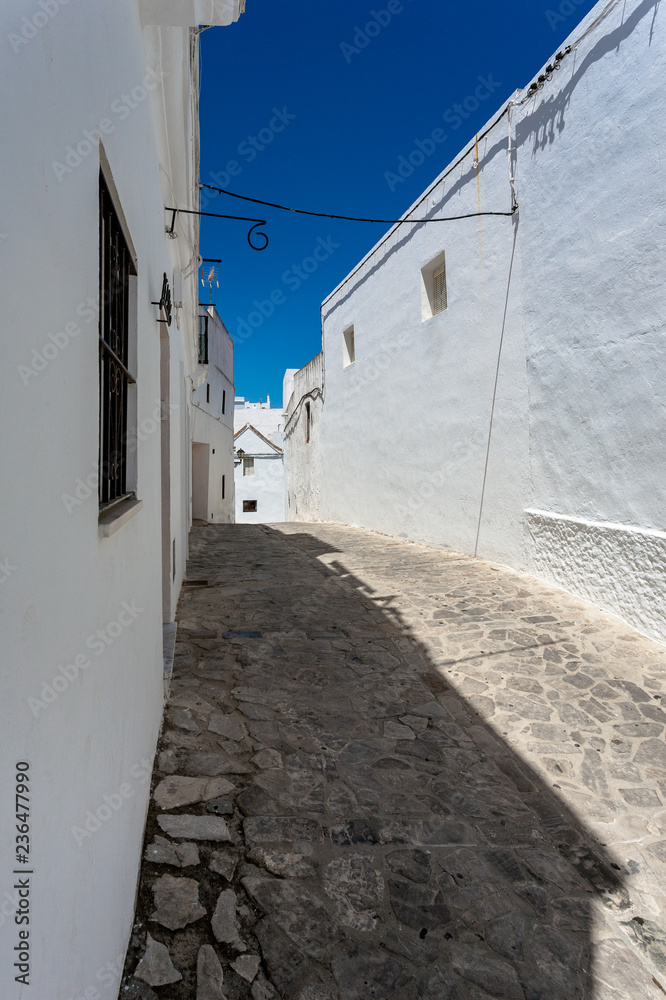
<point>349,218</point>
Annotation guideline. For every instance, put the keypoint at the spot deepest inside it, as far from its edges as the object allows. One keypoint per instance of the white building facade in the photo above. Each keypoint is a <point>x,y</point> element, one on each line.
<point>259,473</point>
<point>100,325</point>
<point>213,423</point>
<point>496,384</point>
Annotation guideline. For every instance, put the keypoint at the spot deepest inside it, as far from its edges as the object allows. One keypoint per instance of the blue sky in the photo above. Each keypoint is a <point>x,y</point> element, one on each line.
<point>301,108</point>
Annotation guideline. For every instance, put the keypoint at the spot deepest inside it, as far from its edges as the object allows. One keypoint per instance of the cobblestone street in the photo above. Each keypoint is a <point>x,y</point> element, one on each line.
<point>389,770</point>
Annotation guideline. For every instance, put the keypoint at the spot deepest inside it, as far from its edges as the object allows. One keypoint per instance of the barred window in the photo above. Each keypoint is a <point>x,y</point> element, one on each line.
<point>115,378</point>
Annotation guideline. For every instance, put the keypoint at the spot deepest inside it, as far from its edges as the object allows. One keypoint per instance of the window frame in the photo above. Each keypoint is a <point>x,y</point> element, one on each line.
<point>247,509</point>
<point>248,463</point>
<point>117,326</point>
<point>429,274</point>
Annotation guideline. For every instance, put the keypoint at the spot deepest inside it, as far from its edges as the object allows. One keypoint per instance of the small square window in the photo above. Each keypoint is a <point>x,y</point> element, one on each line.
<point>249,506</point>
<point>434,293</point>
<point>248,466</point>
<point>348,347</point>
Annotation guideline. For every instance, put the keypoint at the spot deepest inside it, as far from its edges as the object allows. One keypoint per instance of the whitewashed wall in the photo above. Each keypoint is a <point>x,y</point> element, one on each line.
<point>303,460</point>
<point>66,591</point>
<point>579,383</point>
<point>213,428</point>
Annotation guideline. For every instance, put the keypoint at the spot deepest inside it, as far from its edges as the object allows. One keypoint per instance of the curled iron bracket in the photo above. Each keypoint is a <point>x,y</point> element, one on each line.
<point>217,215</point>
<point>164,301</point>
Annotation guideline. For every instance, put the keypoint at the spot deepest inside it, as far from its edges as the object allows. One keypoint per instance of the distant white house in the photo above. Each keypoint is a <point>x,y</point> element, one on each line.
<point>259,473</point>
<point>213,422</point>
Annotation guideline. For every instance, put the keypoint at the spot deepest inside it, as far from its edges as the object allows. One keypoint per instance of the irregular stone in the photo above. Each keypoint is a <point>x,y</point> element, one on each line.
<point>315,991</point>
<point>414,865</point>
<point>285,961</point>
<point>477,965</point>
<point>246,966</point>
<point>639,730</point>
<point>425,833</point>
<point>191,700</point>
<point>395,731</point>
<point>652,754</point>
<point>268,758</point>
<point>359,751</point>
<point>162,852</point>
<point>507,934</point>
<point>255,801</point>
<point>650,939</point>
<point>134,989</point>
<point>418,906</point>
<point>228,726</point>
<point>182,718</point>
<point>167,762</point>
<point>156,967</point>
<point>176,902</point>
<point>257,713</point>
<point>195,827</point>
<point>286,864</point>
<point>188,854</point>
<point>178,790</point>
<point>368,972</point>
<point>222,863</point>
<point>354,831</point>
<point>299,913</point>
<point>356,889</point>
<point>212,764</point>
<point>644,798</point>
<point>417,723</point>
<point>430,710</point>
<point>262,989</point>
<point>220,807</point>
<point>560,958</point>
<point>209,974</point>
<point>224,924</point>
<point>281,830</point>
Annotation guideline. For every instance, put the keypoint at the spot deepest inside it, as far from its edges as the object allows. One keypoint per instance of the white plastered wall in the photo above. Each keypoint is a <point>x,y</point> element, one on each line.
<point>578,385</point>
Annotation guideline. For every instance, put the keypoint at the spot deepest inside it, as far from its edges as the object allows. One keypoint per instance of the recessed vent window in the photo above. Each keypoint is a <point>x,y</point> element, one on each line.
<point>203,340</point>
<point>249,506</point>
<point>434,291</point>
<point>308,423</point>
<point>348,347</point>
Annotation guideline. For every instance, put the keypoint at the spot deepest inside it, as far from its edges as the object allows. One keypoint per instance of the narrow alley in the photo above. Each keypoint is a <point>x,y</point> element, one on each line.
<point>389,770</point>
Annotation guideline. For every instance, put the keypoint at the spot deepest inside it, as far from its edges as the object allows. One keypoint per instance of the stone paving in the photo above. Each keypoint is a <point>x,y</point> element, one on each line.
<point>392,771</point>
